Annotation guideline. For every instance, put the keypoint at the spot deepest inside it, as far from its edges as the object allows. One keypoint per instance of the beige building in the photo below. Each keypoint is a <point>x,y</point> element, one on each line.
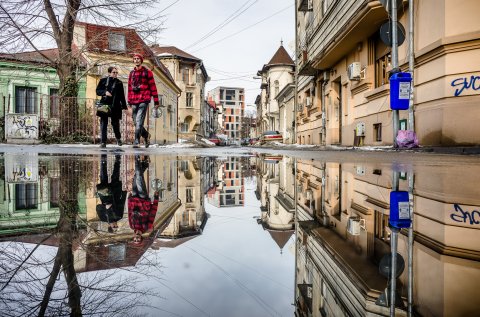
<point>343,68</point>
<point>190,75</point>
<point>343,213</point>
<point>103,46</point>
<point>276,75</point>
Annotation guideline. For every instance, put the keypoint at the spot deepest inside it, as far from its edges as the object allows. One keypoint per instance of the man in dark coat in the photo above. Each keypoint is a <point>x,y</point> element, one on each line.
<point>111,90</point>
<point>111,195</point>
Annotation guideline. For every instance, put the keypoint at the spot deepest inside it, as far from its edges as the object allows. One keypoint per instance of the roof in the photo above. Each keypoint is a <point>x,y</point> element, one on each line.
<point>171,50</point>
<point>281,237</point>
<point>281,57</point>
<point>212,104</point>
<point>41,57</point>
<point>96,39</point>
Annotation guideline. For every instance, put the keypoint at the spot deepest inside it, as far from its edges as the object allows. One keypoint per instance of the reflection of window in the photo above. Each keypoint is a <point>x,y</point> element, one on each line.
<point>377,132</point>
<point>54,191</point>
<point>25,99</point>
<point>381,226</point>
<point>189,195</point>
<point>183,166</point>
<point>116,42</point>
<point>54,103</point>
<point>277,87</point>
<point>25,196</point>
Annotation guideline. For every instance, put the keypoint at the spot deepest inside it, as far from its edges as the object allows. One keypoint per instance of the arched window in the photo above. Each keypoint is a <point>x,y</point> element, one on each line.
<point>277,87</point>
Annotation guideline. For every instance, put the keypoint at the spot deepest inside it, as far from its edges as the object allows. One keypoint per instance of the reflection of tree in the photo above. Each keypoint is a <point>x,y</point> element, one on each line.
<point>31,279</point>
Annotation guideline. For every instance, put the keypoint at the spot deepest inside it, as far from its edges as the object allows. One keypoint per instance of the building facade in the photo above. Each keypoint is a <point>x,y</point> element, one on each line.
<point>190,75</point>
<point>104,46</point>
<point>276,75</point>
<point>230,103</point>
<point>343,67</point>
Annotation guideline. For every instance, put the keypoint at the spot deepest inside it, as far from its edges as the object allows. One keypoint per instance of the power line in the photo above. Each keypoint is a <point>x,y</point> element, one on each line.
<point>248,27</point>
<point>227,21</point>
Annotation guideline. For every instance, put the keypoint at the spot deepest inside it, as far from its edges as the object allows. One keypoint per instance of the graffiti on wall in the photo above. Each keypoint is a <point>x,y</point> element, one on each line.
<point>465,83</point>
<point>20,126</point>
<point>465,216</point>
<point>21,168</point>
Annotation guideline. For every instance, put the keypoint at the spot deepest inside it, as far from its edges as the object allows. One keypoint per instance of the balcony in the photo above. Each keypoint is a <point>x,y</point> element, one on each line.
<point>342,27</point>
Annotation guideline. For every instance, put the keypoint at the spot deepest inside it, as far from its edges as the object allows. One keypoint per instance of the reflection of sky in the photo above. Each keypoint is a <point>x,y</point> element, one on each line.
<point>233,269</point>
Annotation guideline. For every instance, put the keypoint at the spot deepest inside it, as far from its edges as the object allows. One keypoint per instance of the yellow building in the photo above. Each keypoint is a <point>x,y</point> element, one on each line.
<point>104,46</point>
<point>343,67</point>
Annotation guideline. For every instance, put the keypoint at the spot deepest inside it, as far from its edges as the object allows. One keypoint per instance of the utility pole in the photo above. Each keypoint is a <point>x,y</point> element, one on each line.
<point>393,14</point>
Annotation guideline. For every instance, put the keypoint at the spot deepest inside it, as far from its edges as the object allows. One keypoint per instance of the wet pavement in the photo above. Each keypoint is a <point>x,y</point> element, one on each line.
<point>237,232</point>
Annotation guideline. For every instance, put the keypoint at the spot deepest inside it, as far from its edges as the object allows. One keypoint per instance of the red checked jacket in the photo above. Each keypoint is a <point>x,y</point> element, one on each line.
<point>141,213</point>
<point>143,78</point>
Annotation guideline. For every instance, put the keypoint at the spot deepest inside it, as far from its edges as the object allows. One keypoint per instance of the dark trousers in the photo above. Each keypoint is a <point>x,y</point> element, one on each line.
<point>139,112</point>
<point>103,128</point>
<point>115,178</point>
<point>139,187</point>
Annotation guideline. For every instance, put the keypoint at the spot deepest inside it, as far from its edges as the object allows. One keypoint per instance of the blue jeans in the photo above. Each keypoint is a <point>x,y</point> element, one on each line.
<point>139,112</point>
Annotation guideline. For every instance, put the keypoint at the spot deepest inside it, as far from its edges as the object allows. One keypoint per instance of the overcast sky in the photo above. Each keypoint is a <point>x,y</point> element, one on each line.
<point>241,46</point>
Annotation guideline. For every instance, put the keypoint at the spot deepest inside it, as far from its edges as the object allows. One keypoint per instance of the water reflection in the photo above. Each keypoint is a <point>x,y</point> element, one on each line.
<point>91,235</point>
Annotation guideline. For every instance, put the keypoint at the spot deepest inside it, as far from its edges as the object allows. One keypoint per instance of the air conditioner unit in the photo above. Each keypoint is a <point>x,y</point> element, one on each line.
<point>354,225</point>
<point>360,170</point>
<point>360,130</point>
<point>354,71</point>
<point>308,101</point>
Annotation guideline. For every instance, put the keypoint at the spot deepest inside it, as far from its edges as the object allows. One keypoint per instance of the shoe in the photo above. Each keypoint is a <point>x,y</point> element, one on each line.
<point>119,142</point>
<point>103,145</point>
<point>147,141</point>
<point>135,144</point>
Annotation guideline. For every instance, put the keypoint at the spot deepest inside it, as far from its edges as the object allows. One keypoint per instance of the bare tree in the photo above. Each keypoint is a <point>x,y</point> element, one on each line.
<point>30,25</point>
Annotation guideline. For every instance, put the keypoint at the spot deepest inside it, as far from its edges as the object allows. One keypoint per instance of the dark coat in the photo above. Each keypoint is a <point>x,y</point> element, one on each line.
<point>117,101</point>
<point>111,194</point>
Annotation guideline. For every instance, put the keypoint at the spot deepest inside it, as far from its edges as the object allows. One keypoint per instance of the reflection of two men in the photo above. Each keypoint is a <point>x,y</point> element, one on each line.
<point>141,210</point>
<point>112,197</point>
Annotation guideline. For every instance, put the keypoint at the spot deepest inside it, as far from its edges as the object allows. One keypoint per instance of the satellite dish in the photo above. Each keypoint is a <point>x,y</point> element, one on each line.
<point>386,34</point>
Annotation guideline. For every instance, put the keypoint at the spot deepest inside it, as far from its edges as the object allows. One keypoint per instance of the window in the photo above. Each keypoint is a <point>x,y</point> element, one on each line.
<point>186,75</point>
<point>277,87</point>
<point>381,227</point>
<point>383,60</point>
<point>116,42</point>
<point>184,127</point>
<point>189,99</point>
<point>25,100</point>
<point>183,166</point>
<point>377,132</point>
<point>25,196</point>
<point>54,103</point>
<point>189,195</point>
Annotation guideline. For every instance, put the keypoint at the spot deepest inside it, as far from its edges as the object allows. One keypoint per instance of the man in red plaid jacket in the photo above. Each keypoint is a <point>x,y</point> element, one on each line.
<point>141,89</point>
<point>141,210</point>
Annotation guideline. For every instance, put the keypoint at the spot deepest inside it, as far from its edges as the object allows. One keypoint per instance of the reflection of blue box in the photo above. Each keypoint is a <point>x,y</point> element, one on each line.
<point>400,86</point>
<point>399,210</point>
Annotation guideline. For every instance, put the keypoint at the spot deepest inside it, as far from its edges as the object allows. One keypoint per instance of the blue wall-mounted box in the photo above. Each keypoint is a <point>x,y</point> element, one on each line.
<point>400,86</point>
<point>399,210</point>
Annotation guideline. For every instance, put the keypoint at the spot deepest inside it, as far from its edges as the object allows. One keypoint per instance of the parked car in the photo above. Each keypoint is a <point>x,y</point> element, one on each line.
<point>270,136</point>
<point>217,140</point>
<point>245,141</point>
<point>253,141</point>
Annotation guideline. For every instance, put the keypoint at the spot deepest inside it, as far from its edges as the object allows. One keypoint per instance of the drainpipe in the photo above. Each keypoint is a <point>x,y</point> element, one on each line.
<point>324,114</point>
<point>395,118</point>
<point>295,101</point>
<point>411,62</point>
<point>411,182</point>
<point>393,241</point>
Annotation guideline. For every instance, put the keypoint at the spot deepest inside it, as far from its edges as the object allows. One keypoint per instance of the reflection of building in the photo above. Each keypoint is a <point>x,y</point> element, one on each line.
<point>230,108</point>
<point>343,233</point>
<point>230,190</point>
<point>30,189</point>
<point>275,183</point>
<point>190,217</point>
